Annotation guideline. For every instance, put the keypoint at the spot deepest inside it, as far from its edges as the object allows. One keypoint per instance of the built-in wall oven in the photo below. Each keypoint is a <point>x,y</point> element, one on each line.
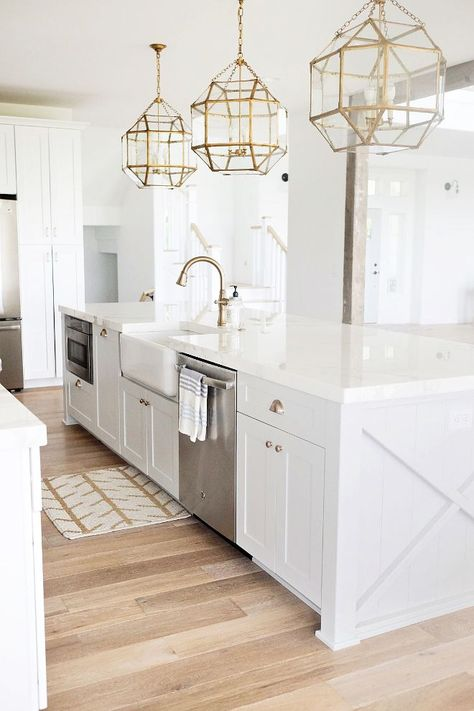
<point>79,355</point>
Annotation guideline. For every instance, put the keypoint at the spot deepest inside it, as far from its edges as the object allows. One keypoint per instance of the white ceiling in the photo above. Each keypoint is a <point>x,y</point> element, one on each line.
<point>93,56</point>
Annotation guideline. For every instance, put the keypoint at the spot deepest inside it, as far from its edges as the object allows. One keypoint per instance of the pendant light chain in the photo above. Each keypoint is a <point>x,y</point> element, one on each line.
<point>407,12</point>
<point>240,54</point>
<point>371,6</point>
<point>158,75</point>
<point>240,16</point>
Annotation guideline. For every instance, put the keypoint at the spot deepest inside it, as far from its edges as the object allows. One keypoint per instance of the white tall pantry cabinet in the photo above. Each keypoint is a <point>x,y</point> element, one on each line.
<point>50,234</point>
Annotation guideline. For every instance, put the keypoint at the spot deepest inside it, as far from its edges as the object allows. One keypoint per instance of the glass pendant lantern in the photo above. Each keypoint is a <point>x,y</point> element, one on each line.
<point>380,83</point>
<point>238,125</point>
<point>157,149</point>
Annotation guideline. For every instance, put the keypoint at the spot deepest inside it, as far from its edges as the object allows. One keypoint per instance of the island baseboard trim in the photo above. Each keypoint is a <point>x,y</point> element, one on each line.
<point>413,617</point>
<point>337,646</point>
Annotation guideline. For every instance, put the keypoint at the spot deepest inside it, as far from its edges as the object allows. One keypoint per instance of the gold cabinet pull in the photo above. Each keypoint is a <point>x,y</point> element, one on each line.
<point>268,444</point>
<point>104,333</point>
<point>277,407</point>
<point>78,384</point>
<point>278,448</point>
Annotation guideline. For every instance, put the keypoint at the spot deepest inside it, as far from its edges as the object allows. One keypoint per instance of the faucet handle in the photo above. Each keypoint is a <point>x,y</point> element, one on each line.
<point>223,301</point>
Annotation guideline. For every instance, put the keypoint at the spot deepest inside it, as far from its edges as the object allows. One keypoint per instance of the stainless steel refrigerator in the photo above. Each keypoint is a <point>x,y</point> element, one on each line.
<point>11,375</point>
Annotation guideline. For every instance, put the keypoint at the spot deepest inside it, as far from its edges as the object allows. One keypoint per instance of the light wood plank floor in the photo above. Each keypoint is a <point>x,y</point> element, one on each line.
<point>173,617</point>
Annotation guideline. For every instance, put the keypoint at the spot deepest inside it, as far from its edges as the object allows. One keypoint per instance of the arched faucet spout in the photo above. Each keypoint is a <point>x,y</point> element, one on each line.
<point>222,302</point>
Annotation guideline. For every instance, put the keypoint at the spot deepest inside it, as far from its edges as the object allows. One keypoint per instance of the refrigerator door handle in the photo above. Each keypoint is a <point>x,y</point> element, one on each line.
<point>10,327</point>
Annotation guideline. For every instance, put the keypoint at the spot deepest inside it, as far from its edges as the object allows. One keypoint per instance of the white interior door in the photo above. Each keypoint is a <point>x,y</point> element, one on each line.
<point>68,281</point>
<point>36,277</point>
<point>391,214</point>
<point>32,166</point>
<point>66,189</point>
<point>372,266</point>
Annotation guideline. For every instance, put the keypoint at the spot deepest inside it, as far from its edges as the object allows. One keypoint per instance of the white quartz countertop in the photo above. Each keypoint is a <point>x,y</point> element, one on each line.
<point>18,426</point>
<point>338,362</point>
<point>126,317</point>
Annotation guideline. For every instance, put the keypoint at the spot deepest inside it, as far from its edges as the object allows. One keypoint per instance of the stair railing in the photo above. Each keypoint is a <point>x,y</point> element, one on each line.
<point>203,280</point>
<point>269,259</point>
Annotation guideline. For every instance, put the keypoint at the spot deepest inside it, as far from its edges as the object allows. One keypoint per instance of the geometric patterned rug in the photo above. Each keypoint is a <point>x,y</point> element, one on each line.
<point>106,500</point>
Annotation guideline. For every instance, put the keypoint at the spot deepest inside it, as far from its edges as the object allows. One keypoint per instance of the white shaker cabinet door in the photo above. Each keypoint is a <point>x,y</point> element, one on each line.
<point>256,489</point>
<point>299,469</point>
<point>133,424</point>
<point>7,160</point>
<point>33,189</point>
<point>68,280</point>
<point>106,375</point>
<point>66,188</point>
<point>36,278</point>
<point>162,443</point>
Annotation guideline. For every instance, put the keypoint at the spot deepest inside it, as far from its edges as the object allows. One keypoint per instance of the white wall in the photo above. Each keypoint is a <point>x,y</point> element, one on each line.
<point>104,184</point>
<point>443,256</point>
<point>136,244</point>
<point>100,269</point>
<point>447,284</point>
<point>317,189</point>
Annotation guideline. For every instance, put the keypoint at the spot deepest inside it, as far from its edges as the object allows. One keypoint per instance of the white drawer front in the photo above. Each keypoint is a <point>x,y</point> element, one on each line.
<point>290,410</point>
<point>81,400</point>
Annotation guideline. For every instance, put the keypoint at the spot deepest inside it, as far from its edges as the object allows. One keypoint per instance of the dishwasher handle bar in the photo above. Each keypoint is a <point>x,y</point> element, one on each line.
<point>212,382</point>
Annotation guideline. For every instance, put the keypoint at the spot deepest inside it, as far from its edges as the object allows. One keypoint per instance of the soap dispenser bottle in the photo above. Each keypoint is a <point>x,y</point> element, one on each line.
<point>235,304</point>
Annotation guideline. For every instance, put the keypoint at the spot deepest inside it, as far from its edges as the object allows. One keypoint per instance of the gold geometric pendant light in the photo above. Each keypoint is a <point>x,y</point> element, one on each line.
<point>380,83</point>
<point>238,125</point>
<point>156,150</point>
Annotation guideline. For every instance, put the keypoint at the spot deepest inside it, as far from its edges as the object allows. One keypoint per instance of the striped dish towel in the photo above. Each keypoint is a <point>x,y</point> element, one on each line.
<point>192,404</point>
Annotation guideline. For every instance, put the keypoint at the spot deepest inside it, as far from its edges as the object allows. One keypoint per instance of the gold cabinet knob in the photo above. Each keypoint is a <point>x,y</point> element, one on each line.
<point>104,333</point>
<point>78,384</point>
<point>277,407</point>
<point>268,444</point>
<point>278,448</point>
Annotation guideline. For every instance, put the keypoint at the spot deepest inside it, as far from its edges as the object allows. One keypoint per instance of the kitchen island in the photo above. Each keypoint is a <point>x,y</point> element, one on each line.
<point>355,484</point>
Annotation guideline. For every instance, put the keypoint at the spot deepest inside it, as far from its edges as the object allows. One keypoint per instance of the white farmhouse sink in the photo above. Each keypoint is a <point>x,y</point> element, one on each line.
<point>146,359</point>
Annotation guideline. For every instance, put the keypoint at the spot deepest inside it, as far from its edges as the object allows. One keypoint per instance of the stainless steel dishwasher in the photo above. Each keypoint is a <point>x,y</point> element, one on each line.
<point>207,469</point>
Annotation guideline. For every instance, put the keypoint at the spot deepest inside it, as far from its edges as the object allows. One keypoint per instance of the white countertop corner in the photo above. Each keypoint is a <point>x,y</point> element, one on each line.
<point>19,428</point>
